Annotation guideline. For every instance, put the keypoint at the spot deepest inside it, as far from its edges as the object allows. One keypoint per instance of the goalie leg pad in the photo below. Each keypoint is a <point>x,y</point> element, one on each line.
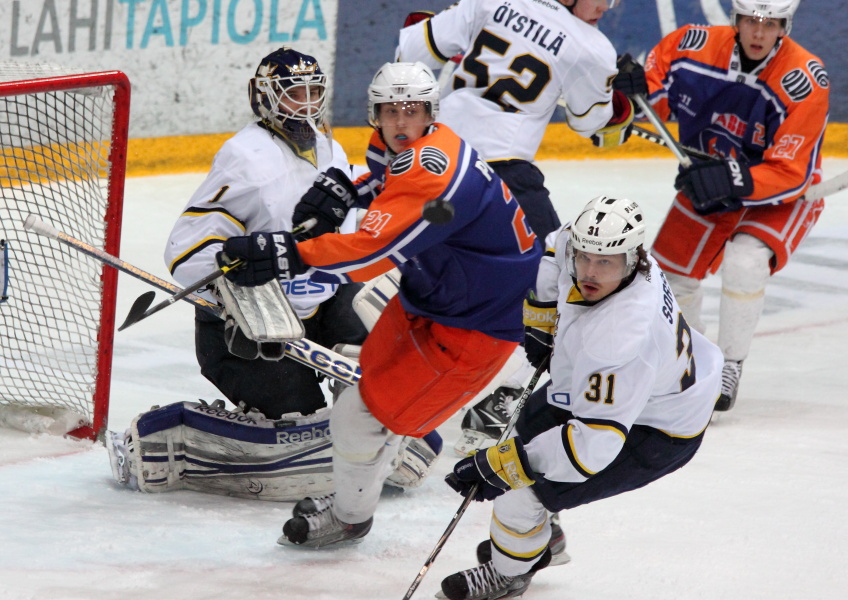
<point>370,301</point>
<point>415,460</point>
<point>207,448</point>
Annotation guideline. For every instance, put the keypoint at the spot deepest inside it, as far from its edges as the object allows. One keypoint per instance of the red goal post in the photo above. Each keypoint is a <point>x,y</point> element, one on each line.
<point>63,147</point>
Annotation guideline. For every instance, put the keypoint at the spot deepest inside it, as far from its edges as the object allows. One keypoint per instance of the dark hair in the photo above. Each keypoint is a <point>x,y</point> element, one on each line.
<point>643,263</point>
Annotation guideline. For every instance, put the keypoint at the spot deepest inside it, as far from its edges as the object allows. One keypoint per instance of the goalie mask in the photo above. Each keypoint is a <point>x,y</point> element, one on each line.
<point>288,92</point>
<point>607,227</point>
<point>766,9</point>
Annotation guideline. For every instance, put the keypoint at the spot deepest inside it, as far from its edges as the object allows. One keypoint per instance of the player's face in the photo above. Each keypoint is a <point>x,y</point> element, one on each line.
<point>758,36</point>
<point>403,123</point>
<point>301,101</point>
<point>598,275</point>
<point>590,11</point>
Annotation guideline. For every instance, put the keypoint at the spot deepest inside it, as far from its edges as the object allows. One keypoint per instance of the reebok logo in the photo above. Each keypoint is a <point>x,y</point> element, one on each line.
<point>295,437</point>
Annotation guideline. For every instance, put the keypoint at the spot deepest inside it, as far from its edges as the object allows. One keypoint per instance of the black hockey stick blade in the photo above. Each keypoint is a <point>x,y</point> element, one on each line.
<point>137,310</point>
<point>178,296</point>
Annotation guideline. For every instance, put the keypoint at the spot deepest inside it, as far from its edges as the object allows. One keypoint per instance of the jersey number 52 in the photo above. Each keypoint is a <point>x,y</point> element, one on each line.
<point>503,85</point>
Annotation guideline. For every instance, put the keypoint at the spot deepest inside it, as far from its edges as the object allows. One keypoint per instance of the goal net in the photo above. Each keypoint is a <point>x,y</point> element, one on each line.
<point>63,141</point>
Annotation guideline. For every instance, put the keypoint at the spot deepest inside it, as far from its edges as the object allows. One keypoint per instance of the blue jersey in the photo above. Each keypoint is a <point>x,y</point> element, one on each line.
<point>773,118</point>
<point>471,273</point>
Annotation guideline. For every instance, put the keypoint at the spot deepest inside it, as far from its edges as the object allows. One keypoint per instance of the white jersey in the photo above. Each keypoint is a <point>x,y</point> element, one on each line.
<point>627,360</point>
<point>521,57</point>
<point>254,184</point>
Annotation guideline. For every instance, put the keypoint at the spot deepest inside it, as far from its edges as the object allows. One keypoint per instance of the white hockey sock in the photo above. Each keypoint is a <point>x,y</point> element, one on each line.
<point>745,272</point>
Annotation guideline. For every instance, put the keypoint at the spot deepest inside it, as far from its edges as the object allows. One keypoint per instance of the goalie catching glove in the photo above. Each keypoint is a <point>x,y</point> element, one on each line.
<point>715,185</point>
<point>328,200</point>
<point>539,322</point>
<point>266,255</point>
<point>497,470</point>
<point>618,129</point>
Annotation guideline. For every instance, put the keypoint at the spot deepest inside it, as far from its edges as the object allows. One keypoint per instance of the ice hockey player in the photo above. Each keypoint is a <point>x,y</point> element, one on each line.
<point>631,393</point>
<point>457,317</point>
<point>756,100</point>
<point>520,59</point>
<point>277,172</point>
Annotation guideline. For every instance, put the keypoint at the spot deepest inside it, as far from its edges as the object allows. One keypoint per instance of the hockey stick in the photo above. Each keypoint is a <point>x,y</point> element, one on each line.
<point>304,351</point>
<point>141,307</point>
<point>814,192</point>
<point>473,491</point>
<point>827,188</point>
<point>139,310</point>
<point>647,134</point>
<point>40,227</point>
<point>664,133</point>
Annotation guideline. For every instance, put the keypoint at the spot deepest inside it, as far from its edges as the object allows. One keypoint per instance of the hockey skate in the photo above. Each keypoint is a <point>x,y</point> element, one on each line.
<point>484,422</point>
<point>730,375</point>
<point>310,505</point>
<point>322,530</point>
<point>556,545</point>
<point>120,449</point>
<point>485,583</point>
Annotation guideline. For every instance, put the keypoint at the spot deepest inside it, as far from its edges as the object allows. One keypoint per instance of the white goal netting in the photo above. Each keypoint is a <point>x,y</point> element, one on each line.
<point>57,155</point>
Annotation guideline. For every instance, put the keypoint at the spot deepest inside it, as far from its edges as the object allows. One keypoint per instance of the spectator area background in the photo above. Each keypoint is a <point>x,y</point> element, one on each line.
<point>189,60</point>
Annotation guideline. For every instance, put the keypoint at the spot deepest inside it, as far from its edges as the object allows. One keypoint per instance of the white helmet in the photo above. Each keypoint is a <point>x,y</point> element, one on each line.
<point>766,9</point>
<point>403,82</point>
<point>609,226</point>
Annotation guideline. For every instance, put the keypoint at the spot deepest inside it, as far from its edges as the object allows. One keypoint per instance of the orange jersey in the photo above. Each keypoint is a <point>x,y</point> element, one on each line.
<point>470,273</point>
<point>773,118</point>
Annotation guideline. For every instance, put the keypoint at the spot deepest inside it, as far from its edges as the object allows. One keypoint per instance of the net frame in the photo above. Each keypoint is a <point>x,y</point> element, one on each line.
<point>63,149</point>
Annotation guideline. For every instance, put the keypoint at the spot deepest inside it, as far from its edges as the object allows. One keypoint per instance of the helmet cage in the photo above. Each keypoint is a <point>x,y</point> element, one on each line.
<point>403,82</point>
<point>765,9</point>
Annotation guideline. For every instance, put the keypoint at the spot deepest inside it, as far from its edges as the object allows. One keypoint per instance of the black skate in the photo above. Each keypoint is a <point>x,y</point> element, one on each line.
<point>322,530</point>
<point>485,583</point>
<point>556,545</point>
<point>484,422</point>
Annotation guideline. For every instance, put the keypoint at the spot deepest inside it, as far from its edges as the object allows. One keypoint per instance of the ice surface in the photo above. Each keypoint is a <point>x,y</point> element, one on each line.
<point>758,514</point>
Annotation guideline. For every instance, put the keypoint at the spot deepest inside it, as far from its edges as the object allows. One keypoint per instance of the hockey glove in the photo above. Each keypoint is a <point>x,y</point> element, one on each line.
<point>417,16</point>
<point>266,255</point>
<point>328,201</point>
<point>539,322</point>
<point>618,129</point>
<point>631,77</point>
<point>497,469</point>
<point>715,185</point>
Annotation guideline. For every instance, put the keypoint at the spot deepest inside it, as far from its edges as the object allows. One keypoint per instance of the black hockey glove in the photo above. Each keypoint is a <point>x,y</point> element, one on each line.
<point>631,76</point>
<point>266,255</point>
<point>539,322</point>
<point>497,469</point>
<point>715,185</point>
<point>328,201</point>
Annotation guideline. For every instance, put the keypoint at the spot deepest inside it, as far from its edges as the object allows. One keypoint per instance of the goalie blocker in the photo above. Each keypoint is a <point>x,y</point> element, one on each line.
<point>207,448</point>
